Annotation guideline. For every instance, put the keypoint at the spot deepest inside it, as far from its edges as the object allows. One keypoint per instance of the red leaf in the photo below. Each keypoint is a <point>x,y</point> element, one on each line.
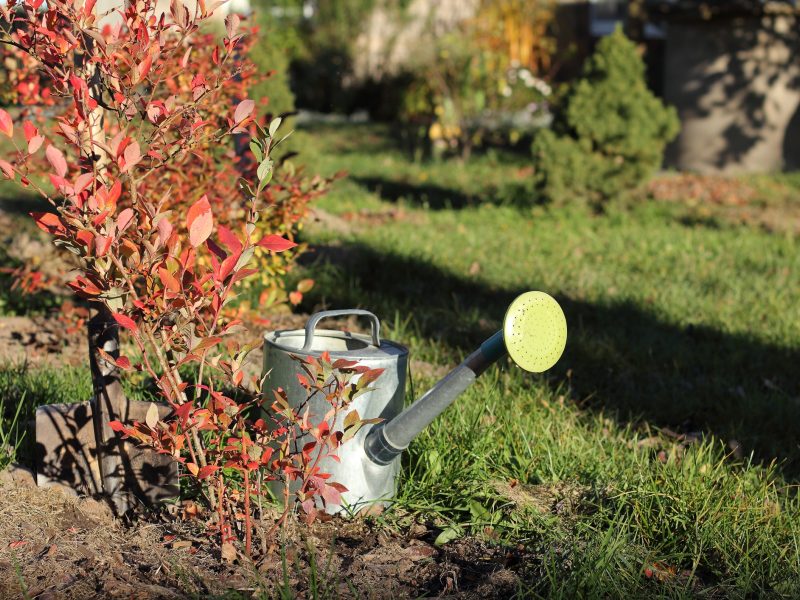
<point>229,239</point>
<point>124,220</point>
<point>143,68</point>
<point>338,486</point>
<point>117,426</point>
<point>114,192</point>
<point>131,156</point>
<point>206,343</point>
<point>35,143</point>
<point>59,183</point>
<point>275,243</point>
<point>17,544</point>
<point>200,222</point>
<point>30,130</point>
<point>183,411</point>
<point>56,160</point>
<point>168,280</point>
<point>49,222</point>
<point>369,376</point>
<point>7,125</point>
<point>83,182</point>
<point>164,230</point>
<point>123,362</point>
<point>85,238</point>
<point>7,168</point>
<point>343,363</point>
<point>125,321</point>
<point>84,287</point>
<point>331,495</point>
<point>243,110</point>
<point>101,244</point>
<point>206,471</point>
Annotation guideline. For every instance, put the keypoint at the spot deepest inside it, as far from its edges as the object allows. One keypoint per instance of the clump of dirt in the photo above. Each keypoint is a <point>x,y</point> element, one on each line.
<point>57,546</point>
<point>560,498</point>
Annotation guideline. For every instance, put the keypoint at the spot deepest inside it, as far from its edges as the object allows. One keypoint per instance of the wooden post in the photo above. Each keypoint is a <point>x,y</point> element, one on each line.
<point>108,404</point>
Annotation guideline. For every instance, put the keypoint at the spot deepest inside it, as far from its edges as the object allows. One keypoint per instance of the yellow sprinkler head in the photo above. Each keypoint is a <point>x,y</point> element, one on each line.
<point>535,331</point>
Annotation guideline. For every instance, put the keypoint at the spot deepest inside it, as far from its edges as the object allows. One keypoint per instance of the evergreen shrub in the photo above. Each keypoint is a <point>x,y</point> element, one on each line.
<point>609,132</point>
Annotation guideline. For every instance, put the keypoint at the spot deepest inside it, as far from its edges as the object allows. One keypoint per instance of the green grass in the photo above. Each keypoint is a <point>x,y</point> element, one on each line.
<point>664,439</point>
<point>674,329</point>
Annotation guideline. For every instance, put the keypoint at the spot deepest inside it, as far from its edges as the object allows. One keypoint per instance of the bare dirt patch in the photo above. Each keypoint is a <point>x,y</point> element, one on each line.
<point>57,546</point>
<point>39,341</point>
<point>713,198</point>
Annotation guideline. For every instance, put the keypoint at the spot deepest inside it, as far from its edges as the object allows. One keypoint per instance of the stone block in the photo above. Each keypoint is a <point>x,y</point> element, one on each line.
<point>66,455</point>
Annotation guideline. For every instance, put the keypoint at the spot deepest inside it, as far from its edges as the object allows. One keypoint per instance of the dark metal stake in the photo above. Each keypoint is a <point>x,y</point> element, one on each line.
<point>109,403</point>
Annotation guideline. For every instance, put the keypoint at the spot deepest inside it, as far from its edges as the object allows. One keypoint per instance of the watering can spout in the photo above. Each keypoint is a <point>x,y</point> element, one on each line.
<point>534,335</point>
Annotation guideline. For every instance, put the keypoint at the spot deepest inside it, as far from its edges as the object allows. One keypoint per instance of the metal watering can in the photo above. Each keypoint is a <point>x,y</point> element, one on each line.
<point>534,334</point>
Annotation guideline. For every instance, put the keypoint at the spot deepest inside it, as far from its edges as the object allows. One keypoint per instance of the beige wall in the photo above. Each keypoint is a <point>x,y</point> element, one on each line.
<point>390,40</point>
<point>237,6</point>
<point>736,85</point>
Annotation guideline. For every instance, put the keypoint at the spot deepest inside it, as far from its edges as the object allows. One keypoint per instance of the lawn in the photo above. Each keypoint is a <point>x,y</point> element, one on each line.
<point>660,456</point>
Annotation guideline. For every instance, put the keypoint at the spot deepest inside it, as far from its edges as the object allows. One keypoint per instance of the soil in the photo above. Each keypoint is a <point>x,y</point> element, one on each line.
<point>56,546</point>
<point>40,341</point>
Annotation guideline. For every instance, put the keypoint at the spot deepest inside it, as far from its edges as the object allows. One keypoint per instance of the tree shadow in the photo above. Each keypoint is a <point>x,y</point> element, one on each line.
<point>619,358</point>
<point>436,197</point>
<point>430,195</point>
<point>731,68</point>
<point>15,203</point>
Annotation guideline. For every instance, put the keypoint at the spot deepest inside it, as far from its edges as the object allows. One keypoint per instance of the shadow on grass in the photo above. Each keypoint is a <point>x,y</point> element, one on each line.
<point>619,358</point>
<point>428,195</point>
<point>16,203</point>
<point>437,197</point>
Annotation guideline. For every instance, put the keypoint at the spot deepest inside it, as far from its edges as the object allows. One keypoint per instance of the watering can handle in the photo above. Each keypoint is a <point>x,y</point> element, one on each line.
<point>314,319</point>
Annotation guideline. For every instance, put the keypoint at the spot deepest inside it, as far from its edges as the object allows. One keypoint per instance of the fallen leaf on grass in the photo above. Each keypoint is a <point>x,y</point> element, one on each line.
<point>17,544</point>
<point>660,572</point>
<point>228,552</point>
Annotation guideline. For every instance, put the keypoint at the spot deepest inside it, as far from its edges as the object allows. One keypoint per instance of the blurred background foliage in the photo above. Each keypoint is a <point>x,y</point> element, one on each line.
<point>452,78</point>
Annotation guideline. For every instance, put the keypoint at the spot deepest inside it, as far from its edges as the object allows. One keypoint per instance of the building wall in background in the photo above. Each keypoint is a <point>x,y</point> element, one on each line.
<point>736,85</point>
<point>390,40</point>
<point>231,6</point>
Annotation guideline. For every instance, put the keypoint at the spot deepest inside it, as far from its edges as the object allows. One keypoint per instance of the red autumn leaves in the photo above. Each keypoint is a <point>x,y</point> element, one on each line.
<point>157,207</point>
<point>6,124</point>
<point>200,222</point>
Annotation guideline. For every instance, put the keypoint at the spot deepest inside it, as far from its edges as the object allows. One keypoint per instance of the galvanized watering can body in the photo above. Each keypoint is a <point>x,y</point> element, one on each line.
<point>367,483</point>
<point>534,334</point>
